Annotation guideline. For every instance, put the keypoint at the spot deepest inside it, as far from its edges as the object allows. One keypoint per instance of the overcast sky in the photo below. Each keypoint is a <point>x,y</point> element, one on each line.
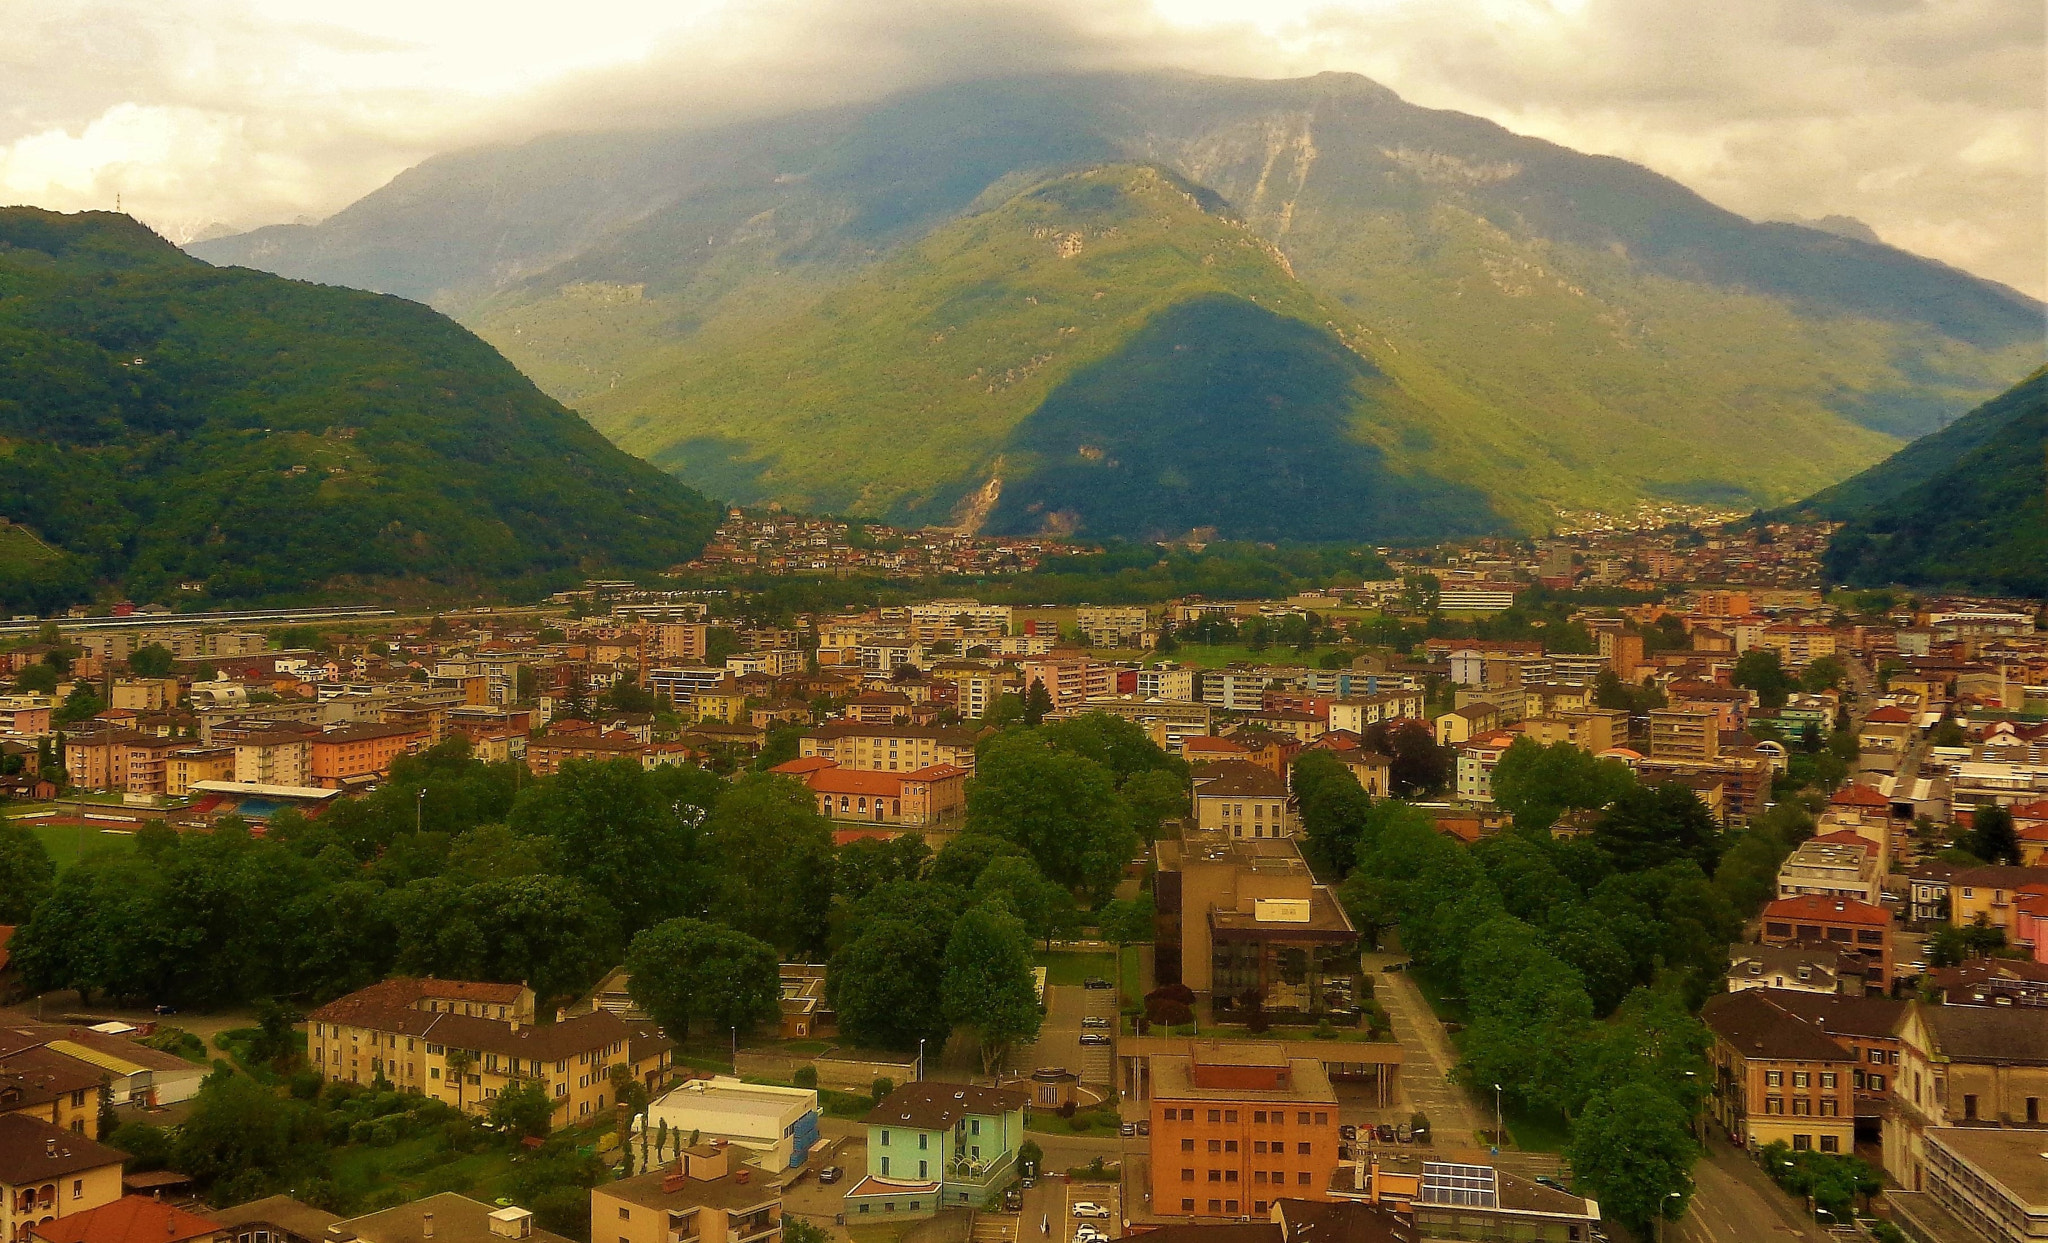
<point>1923,118</point>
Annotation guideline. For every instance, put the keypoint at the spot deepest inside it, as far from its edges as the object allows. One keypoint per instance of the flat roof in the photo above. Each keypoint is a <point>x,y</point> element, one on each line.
<point>1307,1082</point>
<point>2016,1160</point>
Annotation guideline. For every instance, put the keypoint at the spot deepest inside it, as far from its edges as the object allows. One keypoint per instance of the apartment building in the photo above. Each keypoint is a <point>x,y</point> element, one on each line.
<point>1236,1127</point>
<point>1359,715</point>
<point>935,1145</point>
<point>1166,682</point>
<point>463,1043</point>
<point>1068,679</point>
<point>1171,724</point>
<point>923,797</point>
<point>889,747</point>
<point>976,685</point>
<point>26,716</point>
<point>1832,870</point>
<point>1684,734</point>
<point>1241,799</point>
<point>1964,1066</point>
<point>1860,932</point>
<point>1994,1180</point>
<point>679,684</point>
<point>1114,626</point>
<point>1777,1078</point>
<point>122,760</point>
<point>48,1173</point>
<point>702,1195</point>
<point>353,754</point>
<point>546,755</point>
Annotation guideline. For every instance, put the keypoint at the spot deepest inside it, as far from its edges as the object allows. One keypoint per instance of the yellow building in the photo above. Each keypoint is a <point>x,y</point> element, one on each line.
<point>464,1042</point>
<point>724,703</point>
<point>1241,799</point>
<point>1989,892</point>
<point>193,764</point>
<point>698,1196</point>
<point>890,748</point>
<point>47,1172</point>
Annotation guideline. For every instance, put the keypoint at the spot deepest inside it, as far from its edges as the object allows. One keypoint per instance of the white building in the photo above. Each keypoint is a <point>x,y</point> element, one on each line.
<point>776,1125</point>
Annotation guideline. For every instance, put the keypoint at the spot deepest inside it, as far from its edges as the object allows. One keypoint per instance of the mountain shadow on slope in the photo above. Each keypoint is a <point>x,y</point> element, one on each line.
<point>1965,508</point>
<point>193,434</point>
<point>1221,414</point>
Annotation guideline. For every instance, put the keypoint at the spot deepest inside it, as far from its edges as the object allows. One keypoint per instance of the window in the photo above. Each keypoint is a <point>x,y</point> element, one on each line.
<point>1774,1104</point>
<point>922,1140</point>
<point>885,1139</point>
<point>1230,1206</point>
<point>1215,1145</point>
<point>1258,1176</point>
<point>1187,1145</point>
<point>78,1189</point>
<point>1259,1146</point>
<point>1302,1178</point>
<point>1230,1145</point>
<point>1215,1115</point>
<point>1215,1206</point>
<point>1301,1119</point>
<point>625,1214</point>
<point>1801,1079</point>
<point>922,1170</point>
<point>1230,1176</point>
<point>1187,1206</point>
<point>1877,1083</point>
<point>1304,1149</point>
<point>1970,1106</point>
<point>1876,1055</point>
<point>1187,1176</point>
<point>1829,1107</point>
<point>1215,1176</point>
<point>1230,1115</point>
<point>2033,1109</point>
<point>885,1167</point>
<point>1830,1143</point>
<point>1827,1079</point>
<point>1801,1107</point>
<point>1322,1119</point>
<point>1802,1143</point>
<point>1259,1116</point>
<point>1772,1079</point>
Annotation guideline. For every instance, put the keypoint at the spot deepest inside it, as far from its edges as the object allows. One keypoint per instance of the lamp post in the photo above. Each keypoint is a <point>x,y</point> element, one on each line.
<point>1669,1195</point>
<point>1496,1119</point>
<point>419,810</point>
<point>920,1059</point>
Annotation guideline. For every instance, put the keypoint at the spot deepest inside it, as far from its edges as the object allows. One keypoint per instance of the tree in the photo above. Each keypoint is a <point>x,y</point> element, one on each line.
<point>459,1066</point>
<point>1823,674</point>
<point>26,873</point>
<point>80,705</point>
<point>1419,764</point>
<point>987,987</point>
<point>629,1098</point>
<point>885,984</point>
<point>1759,669</point>
<point>152,660</point>
<point>960,861</point>
<point>1334,811</point>
<point>1649,826</point>
<point>608,820</point>
<point>1128,921</point>
<point>1153,798</point>
<point>1632,1147</point>
<point>237,1126</point>
<point>523,1107</point>
<point>1037,702</point>
<point>1992,836</point>
<point>868,862</point>
<point>1536,783</point>
<point>1116,744</point>
<point>1042,906</point>
<point>685,969</point>
<point>774,862</point>
<point>1062,809</point>
<point>552,932</point>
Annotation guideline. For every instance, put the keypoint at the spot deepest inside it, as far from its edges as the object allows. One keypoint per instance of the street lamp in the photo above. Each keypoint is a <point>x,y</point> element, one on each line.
<point>920,1059</point>
<point>1496,1119</point>
<point>419,809</point>
<point>1669,1195</point>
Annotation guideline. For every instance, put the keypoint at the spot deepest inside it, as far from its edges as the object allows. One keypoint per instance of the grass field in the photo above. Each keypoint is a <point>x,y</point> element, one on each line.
<point>68,844</point>
<point>1072,967</point>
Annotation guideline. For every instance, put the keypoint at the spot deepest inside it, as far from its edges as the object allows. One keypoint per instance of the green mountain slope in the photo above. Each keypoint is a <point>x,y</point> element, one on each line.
<point>1633,340</point>
<point>1965,508</point>
<point>932,383</point>
<point>196,434</point>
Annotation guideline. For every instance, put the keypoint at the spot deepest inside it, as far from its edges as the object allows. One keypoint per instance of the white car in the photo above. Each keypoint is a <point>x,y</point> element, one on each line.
<point>1085,1233</point>
<point>1084,1208</point>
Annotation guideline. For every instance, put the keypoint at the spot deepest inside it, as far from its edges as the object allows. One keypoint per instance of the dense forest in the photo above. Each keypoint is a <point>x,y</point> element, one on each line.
<point>191,434</point>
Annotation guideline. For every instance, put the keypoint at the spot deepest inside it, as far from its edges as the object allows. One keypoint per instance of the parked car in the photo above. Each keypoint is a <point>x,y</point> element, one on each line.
<point>1547,1181</point>
<point>1392,967</point>
<point>1013,1200</point>
<point>830,1174</point>
<point>1095,1020</point>
<point>1094,1038</point>
<point>1348,1131</point>
<point>1128,1130</point>
<point>1401,1134</point>
<point>1386,1133</point>
<point>1144,1126</point>
<point>1085,1233</point>
<point>1095,981</point>
<point>1088,1208</point>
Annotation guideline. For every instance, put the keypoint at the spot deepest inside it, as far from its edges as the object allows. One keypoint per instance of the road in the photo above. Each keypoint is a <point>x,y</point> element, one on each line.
<point>1059,1037</point>
<point>1426,1083</point>
<point>1735,1203</point>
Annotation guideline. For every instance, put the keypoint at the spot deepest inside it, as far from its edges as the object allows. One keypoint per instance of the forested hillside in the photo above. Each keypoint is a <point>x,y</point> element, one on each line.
<point>191,434</point>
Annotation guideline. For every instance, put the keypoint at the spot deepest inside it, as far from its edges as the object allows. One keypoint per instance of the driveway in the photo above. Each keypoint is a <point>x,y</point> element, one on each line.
<point>1059,1037</point>
<point>1428,1057</point>
<point>1735,1203</point>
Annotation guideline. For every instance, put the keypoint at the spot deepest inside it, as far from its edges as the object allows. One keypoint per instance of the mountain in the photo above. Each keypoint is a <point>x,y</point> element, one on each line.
<point>1595,334</point>
<point>1965,508</point>
<point>197,434</point>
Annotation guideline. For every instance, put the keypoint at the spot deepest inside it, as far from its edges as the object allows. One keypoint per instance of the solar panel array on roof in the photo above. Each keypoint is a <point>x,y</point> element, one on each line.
<point>1468,1185</point>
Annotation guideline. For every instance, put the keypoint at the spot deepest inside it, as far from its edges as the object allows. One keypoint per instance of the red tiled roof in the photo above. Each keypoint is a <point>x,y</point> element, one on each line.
<point>836,780</point>
<point>935,772</point>
<point>1827,910</point>
<point>1853,795</point>
<point>805,766</point>
<point>130,1219</point>
<point>1847,837</point>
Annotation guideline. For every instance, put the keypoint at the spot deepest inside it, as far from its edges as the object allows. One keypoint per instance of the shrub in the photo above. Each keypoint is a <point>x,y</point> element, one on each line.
<point>805,1077</point>
<point>305,1085</point>
<point>882,1087</point>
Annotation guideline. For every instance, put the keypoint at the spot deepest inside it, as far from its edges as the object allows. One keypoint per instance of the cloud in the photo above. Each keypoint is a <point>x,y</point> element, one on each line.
<point>1922,118</point>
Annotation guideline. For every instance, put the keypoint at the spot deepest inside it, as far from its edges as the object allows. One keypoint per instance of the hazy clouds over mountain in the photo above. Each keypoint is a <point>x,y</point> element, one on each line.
<point>1921,118</point>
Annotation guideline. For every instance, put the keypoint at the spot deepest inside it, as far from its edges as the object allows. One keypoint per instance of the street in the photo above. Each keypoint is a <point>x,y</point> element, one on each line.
<point>1735,1203</point>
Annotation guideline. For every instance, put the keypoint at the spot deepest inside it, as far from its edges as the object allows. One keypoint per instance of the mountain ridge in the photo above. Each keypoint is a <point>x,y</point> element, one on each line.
<point>1616,317</point>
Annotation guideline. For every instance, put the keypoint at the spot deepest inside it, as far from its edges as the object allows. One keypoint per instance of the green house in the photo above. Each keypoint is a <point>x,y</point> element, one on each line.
<point>933,1145</point>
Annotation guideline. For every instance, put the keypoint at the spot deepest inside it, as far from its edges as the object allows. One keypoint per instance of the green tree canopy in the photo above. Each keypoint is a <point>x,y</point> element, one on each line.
<point>1062,809</point>
<point>26,873</point>
<point>684,971</point>
<point>987,986</point>
<point>1632,1148</point>
<point>776,862</point>
<point>885,983</point>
